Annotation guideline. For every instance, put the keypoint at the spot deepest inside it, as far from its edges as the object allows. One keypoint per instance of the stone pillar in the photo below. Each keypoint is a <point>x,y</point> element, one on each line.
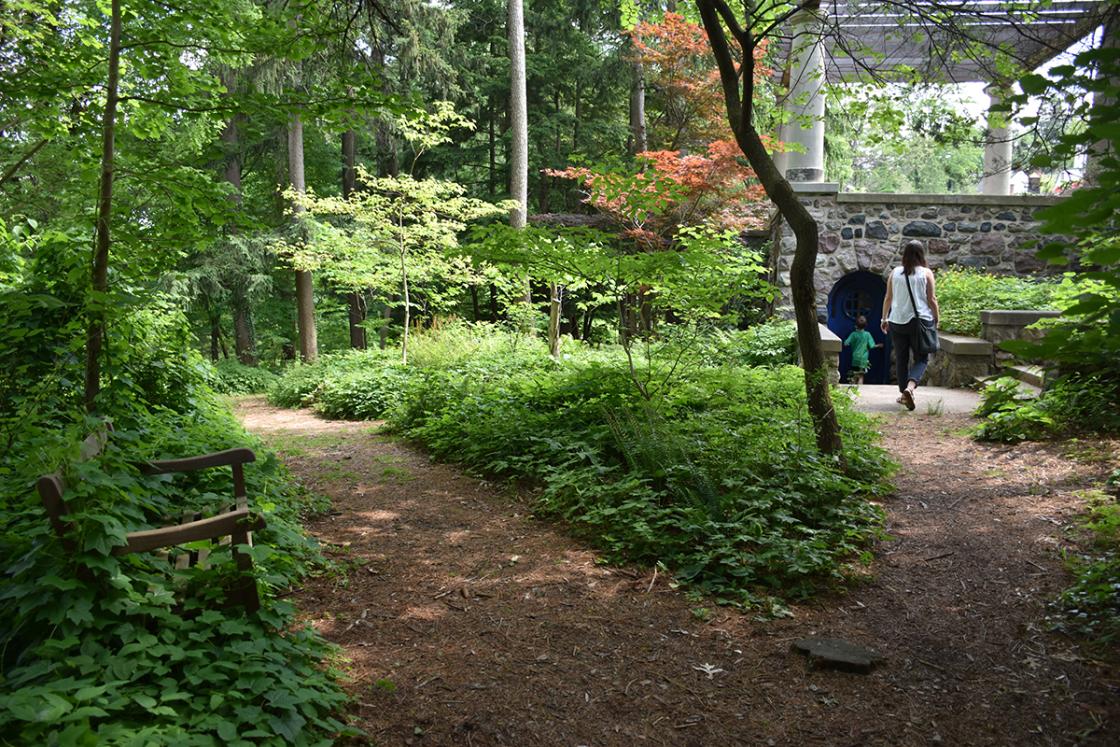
<point>997,147</point>
<point>804,103</point>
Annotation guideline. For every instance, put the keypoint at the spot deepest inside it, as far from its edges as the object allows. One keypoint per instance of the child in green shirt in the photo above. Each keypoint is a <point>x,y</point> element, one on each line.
<point>862,343</point>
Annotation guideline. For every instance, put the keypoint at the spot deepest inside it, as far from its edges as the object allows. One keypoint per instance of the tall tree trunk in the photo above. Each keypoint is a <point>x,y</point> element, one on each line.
<point>740,111</point>
<point>357,302</point>
<point>215,327</point>
<point>244,339</point>
<point>555,296</point>
<point>99,277</point>
<point>476,312</point>
<point>492,136</point>
<point>519,150</point>
<point>305,299</point>
<point>404,292</point>
<point>244,342</point>
<point>639,143</point>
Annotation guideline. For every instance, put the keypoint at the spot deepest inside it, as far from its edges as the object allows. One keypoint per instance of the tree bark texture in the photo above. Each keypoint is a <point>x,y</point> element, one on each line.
<point>244,341</point>
<point>555,300</point>
<point>519,140</point>
<point>357,302</point>
<point>99,278</point>
<point>305,298</point>
<point>639,142</point>
<point>740,112</point>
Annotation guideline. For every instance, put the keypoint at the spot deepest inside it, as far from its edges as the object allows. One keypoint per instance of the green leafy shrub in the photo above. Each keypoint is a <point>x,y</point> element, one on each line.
<point>234,377</point>
<point>719,481</point>
<point>963,293</point>
<point>1075,403</point>
<point>716,476</point>
<point>1091,607</point>
<point>362,395</point>
<point>135,650</point>
<point>100,649</point>
<point>1010,414</point>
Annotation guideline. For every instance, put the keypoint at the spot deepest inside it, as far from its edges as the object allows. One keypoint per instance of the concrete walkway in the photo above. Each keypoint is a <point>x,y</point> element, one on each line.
<point>929,399</point>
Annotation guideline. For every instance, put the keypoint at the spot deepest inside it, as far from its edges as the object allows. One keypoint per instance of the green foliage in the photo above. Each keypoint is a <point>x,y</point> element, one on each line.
<point>1091,607</point>
<point>1073,404</point>
<point>767,344</point>
<point>717,477</point>
<point>130,650</point>
<point>902,138</point>
<point>234,377</point>
<point>964,293</point>
<point>1010,414</point>
<point>720,482</point>
<point>1083,346</point>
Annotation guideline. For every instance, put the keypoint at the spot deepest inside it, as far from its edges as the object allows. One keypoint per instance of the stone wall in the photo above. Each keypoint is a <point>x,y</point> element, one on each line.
<point>960,361</point>
<point>866,232</point>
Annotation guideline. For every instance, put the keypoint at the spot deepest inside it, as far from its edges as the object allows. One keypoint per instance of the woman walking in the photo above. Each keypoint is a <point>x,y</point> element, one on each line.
<point>910,296</point>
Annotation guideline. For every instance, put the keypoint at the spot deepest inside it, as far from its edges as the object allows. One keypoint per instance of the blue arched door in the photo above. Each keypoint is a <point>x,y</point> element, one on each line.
<point>855,294</point>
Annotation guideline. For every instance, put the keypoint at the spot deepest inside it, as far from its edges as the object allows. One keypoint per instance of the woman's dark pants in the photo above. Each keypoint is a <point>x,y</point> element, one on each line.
<point>904,337</point>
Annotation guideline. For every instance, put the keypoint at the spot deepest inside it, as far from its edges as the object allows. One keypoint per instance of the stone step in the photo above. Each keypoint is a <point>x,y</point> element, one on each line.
<point>1033,375</point>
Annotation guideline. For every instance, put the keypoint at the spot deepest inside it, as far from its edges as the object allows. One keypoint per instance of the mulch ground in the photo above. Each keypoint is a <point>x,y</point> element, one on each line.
<point>464,620</point>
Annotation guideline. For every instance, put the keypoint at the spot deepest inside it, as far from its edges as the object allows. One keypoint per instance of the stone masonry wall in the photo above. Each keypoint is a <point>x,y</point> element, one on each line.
<point>867,231</point>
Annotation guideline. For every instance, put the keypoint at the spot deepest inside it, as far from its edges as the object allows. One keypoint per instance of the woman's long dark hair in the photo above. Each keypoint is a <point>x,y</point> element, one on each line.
<point>913,255</point>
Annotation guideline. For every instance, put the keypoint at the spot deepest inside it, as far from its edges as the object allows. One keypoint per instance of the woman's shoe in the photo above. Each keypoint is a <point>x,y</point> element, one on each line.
<point>908,399</point>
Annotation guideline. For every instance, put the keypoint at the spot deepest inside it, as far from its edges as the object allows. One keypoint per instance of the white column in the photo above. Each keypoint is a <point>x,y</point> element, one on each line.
<point>804,104</point>
<point>997,147</point>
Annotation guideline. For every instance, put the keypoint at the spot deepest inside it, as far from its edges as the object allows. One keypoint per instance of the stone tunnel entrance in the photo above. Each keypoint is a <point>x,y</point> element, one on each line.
<point>855,294</point>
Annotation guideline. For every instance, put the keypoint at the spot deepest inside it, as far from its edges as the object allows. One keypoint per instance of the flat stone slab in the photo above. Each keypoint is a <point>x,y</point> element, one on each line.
<point>834,653</point>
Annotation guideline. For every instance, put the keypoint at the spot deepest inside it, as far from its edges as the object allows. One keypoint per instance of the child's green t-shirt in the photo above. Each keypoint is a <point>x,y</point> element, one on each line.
<point>861,342</point>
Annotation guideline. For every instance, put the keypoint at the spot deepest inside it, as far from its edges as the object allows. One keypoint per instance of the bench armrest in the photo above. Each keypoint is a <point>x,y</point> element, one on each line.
<point>230,523</point>
<point>217,459</point>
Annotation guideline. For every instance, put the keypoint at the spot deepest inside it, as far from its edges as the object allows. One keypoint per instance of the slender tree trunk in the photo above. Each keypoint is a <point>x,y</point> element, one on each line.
<point>639,143</point>
<point>519,151</point>
<point>383,333</point>
<point>555,296</point>
<point>244,342</point>
<point>493,303</point>
<point>740,112</point>
<point>99,280</point>
<point>215,327</point>
<point>357,304</point>
<point>305,298</point>
<point>404,294</point>
<point>476,312</point>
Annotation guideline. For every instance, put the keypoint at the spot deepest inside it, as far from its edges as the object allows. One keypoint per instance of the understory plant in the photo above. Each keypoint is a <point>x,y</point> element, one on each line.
<point>1091,606</point>
<point>105,649</point>
<point>716,477</point>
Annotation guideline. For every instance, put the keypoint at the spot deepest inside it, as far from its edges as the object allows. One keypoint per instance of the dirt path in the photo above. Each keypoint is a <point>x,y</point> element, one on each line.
<point>466,621</point>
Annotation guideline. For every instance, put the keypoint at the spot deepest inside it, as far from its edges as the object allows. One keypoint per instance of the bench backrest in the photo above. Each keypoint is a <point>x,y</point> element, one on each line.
<point>52,487</point>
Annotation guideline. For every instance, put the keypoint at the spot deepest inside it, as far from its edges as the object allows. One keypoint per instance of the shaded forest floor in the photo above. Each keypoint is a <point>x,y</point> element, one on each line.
<point>464,620</point>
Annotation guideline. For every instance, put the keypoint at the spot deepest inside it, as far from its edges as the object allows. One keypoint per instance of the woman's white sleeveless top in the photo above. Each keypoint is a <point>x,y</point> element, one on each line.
<point>902,310</point>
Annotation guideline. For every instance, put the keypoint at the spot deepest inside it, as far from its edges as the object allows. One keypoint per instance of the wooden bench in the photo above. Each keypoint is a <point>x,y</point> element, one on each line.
<point>233,524</point>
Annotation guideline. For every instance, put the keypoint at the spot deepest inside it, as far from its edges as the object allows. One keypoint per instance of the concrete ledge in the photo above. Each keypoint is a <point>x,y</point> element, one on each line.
<point>830,343</point>
<point>1015,318</point>
<point>962,345</point>
<point>815,188</point>
<point>934,199</point>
